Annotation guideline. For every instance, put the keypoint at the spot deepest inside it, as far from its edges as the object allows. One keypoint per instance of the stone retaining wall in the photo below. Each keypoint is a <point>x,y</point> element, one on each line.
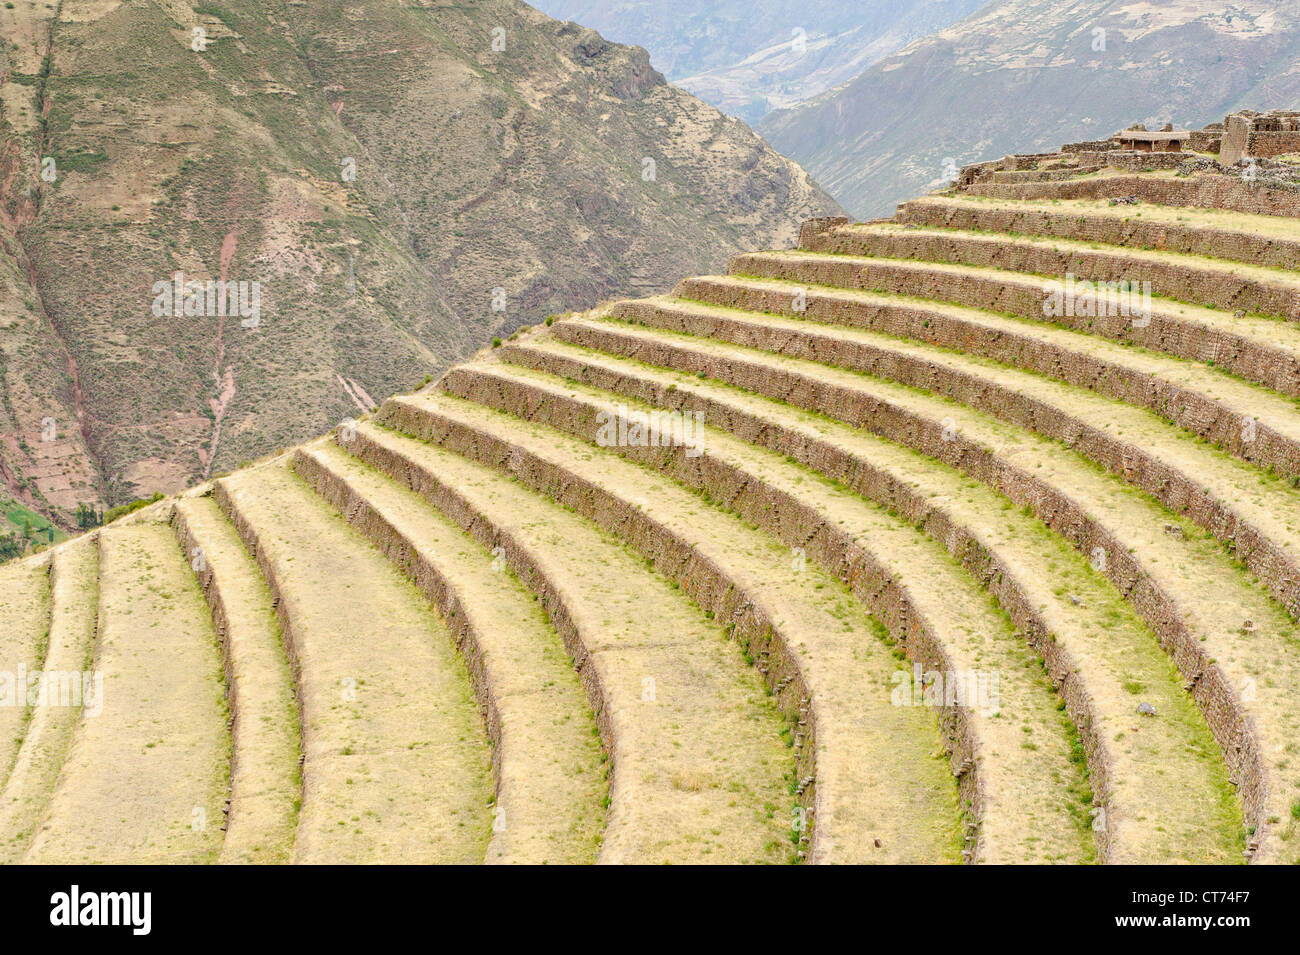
<point>1128,230</point>
<point>1190,282</point>
<point>740,611</point>
<point>1186,408</point>
<point>835,550</point>
<point>1231,725</point>
<point>1246,356</point>
<point>1206,191</point>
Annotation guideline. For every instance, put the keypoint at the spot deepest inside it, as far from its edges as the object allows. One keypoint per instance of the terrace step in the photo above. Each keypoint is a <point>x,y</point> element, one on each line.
<point>148,768</point>
<point>698,772</point>
<point>488,625</point>
<point>1026,803</point>
<point>1164,188</point>
<point>71,619</point>
<point>266,783</point>
<point>1205,401</point>
<point>1270,241</point>
<point>547,758</point>
<point>1043,175</point>
<point>814,645</point>
<point>1234,501</point>
<point>1154,793</point>
<point>1227,649</point>
<point>1262,350</point>
<point>1228,285</point>
<point>396,765</point>
<point>24,629</point>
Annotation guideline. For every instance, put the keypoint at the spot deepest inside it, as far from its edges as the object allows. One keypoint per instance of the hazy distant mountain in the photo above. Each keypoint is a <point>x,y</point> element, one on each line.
<point>749,56</point>
<point>1024,74</point>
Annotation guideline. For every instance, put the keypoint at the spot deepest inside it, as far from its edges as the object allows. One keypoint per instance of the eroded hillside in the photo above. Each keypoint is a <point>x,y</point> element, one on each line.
<point>402,181</point>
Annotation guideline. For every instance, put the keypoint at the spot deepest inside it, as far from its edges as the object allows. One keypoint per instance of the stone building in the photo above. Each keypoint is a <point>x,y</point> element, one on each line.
<point>1249,134</point>
<point>1140,139</point>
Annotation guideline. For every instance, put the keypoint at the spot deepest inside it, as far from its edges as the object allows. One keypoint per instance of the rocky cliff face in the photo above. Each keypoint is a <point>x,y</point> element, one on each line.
<point>391,183</point>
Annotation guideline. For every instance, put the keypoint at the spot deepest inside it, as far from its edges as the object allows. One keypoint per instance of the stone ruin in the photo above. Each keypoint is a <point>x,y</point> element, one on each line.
<point>1140,139</point>
<point>1249,134</point>
<point>1245,143</point>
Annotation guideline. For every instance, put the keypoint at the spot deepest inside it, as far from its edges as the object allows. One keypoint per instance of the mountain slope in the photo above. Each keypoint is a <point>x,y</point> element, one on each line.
<point>398,189</point>
<point>747,58</point>
<point>1022,75</point>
